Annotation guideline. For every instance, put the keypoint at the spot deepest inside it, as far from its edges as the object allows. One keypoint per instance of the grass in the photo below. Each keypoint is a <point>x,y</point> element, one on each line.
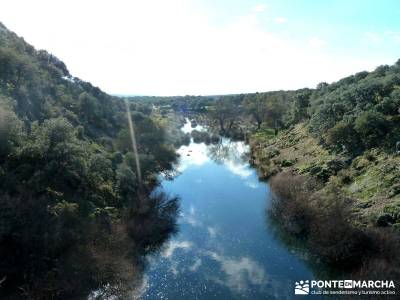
<point>370,180</point>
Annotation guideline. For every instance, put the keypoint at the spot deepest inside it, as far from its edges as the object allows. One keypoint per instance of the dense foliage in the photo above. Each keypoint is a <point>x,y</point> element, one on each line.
<point>359,112</point>
<point>70,200</point>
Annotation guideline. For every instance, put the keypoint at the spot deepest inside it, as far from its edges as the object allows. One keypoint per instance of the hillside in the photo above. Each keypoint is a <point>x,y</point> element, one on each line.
<point>74,216</point>
<point>345,136</point>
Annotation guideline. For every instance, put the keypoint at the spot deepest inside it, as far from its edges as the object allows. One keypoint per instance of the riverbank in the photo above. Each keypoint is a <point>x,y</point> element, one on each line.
<point>346,211</point>
<point>370,181</point>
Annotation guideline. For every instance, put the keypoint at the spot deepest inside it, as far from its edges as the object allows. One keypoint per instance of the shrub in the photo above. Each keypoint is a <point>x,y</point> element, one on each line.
<point>372,127</point>
<point>289,203</point>
<point>324,221</point>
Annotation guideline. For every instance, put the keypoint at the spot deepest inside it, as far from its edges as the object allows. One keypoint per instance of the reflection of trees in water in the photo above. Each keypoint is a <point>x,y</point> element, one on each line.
<point>227,150</point>
<point>108,256</point>
<point>147,229</point>
<point>297,245</point>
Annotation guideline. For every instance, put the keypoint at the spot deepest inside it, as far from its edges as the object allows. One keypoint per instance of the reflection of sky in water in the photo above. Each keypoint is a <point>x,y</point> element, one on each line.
<point>187,128</point>
<point>224,249</point>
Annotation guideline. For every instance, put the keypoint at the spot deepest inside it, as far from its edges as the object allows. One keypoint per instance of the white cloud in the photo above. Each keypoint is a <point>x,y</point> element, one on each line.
<point>252,184</point>
<point>240,272</point>
<point>280,20</point>
<point>174,245</point>
<point>316,42</point>
<point>259,8</point>
<point>212,231</point>
<point>192,155</point>
<point>238,169</point>
<point>197,263</point>
<point>174,47</point>
<point>190,217</point>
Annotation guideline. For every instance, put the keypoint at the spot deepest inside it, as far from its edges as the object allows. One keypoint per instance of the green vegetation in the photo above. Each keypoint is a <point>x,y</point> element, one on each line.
<point>73,216</point>
<point>346,139</point>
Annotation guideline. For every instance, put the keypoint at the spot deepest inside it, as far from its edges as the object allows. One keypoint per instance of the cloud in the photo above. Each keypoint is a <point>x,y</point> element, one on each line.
<point>240,273</point>
<point>212,231</point>
<point>252,184</point>
<point>316,42</point>
<point>178,48</point>
<point>190,217</point>
<point>192,155</point>
<point>259,8</point>
<point>280,20</point>
<point>197,263</point>
<point>238,169</point>
<point>174,245</point>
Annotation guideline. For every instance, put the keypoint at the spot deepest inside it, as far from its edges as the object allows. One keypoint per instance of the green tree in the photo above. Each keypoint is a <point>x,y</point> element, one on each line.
<point>256,107</point>
<point>300,107</point>
<point>372,127</point>
<point>225,112</point>
<point>275,110</point>
<point>11,133</point>
<point>343,136</point>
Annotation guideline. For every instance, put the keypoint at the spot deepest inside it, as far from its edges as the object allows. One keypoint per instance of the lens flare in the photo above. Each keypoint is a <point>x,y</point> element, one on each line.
<point>133,139</point>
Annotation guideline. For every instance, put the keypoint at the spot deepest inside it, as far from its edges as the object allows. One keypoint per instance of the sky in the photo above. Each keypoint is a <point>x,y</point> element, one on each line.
<point>209,47</point>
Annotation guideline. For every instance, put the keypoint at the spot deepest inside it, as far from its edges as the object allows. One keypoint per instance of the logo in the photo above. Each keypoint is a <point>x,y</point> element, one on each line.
<point>302,288</point>
<point>344,287</point>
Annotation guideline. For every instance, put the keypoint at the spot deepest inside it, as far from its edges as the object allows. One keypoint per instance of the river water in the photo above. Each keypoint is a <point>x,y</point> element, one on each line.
<point>226,247</point>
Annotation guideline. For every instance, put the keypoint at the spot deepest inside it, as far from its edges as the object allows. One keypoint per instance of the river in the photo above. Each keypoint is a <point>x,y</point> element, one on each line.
<point>226,247</point>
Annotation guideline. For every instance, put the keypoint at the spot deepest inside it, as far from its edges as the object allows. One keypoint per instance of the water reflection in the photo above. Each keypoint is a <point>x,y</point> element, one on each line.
<point>187,127</point>
<point>222,250</point>
<point>239,273</point>
<point>142,232</point>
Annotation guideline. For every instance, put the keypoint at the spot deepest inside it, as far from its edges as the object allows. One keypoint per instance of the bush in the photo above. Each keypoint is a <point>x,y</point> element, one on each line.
<point>324,222</point>
<point>372,127</point>
<point>289,203</point>
<point>343,136</point>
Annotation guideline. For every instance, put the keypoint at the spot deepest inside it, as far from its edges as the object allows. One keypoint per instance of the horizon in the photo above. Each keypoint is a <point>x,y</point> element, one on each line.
<point>152,48</point>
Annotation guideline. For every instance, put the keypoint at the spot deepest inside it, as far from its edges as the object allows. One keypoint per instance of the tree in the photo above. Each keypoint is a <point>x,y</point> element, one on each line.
<point>225,113</point>
<point>256,108</point>
<point>10,132</point>
<point>372,127</point>
<point>274,112</point>
<point>343,136</point>
<point>88,106</point>
<point>300,106</point>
